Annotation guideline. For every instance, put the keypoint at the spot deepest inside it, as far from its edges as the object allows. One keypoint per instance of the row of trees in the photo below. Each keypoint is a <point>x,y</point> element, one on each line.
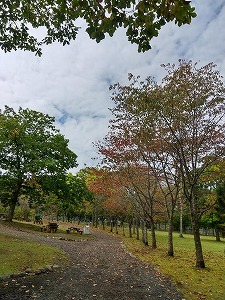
<point>164,151</point>
<point>166,142</point>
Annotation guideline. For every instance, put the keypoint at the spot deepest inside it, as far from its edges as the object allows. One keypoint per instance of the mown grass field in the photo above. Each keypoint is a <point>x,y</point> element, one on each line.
<point>18,254</point>
<point>207,284</point>
<point>196,284</point>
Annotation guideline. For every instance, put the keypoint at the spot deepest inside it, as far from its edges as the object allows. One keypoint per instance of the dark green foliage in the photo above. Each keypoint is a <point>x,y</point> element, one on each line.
<point>30,147</point>
<point>186,221</point>
<point>142,20</point>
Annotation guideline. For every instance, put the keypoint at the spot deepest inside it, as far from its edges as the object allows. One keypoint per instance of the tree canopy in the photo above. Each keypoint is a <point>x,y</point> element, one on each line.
<point>142,20</point>
<point>30,147</point>
<point>175,129</point>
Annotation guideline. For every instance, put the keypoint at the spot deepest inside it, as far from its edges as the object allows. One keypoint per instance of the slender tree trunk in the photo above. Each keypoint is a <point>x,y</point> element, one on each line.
<point>103,224</point>
<point>116,226</point>
<point>181,218</point>
<point>96,220</point>
<point>111,226</point>
<point>217,234</point>
<point>130,229</point>
<point>123,228</point>
<point>144,233</point>
<point>93,219</point>
<point>195,229</point>
<point>170,238</point>
<point>154,245</point>
<point>198,246</point>
<point>137,231</point>
<point>134,227</point>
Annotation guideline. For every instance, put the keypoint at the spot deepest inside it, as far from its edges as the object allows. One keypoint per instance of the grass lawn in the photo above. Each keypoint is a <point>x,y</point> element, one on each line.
<point>16,255</point>
<point>207,284</point>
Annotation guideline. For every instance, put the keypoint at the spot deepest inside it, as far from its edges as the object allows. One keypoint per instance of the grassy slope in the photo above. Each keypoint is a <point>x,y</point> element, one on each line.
<point>208,283</point>
<point>18,254</point>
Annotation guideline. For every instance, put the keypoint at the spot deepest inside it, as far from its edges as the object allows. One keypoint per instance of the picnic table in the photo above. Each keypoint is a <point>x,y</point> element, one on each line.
<point>74,230</point>
<point>51,227</point>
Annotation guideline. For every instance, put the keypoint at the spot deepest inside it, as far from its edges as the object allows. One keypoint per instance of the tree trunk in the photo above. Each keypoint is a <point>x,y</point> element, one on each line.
<point>116,226</point>
<point>93,219</point>
<point>137,231</point>
<point>103,224</point>
<point>170,238</point>
<point>96,220</point>
<point>11,210</point>
<point>198,246</point>
<point>13,202</point>
<point>130,229</point>
<point>144,233</point>
<point>153,236</point>
<point>181,219</point>
<point>111,226</point>
<point>154,246</point>
<point>217,234</point>
<point>123,226</point>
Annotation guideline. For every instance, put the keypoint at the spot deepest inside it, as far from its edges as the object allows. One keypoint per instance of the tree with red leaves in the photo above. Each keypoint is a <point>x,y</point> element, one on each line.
<point>175,128</point>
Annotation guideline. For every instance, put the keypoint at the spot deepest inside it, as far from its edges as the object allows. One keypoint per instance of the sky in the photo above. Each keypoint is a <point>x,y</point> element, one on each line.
<point>72,82</point>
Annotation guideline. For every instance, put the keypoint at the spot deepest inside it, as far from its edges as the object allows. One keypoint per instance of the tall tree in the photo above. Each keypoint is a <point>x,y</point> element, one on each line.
<point>189,107</point>
<point>30,147</point>
<point>183,116</point>
<point>192,110</point>
<point>142,20</point>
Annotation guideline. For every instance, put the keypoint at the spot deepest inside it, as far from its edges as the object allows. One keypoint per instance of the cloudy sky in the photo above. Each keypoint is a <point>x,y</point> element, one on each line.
<point>72,82</point>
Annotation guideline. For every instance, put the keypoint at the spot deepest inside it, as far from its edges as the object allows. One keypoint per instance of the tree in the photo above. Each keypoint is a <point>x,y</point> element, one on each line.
<point>30,148</point>
<point>192,109</point>
<point>78,192</point>
<point>183,118</point>
<point>189,107</point>
<point>120,152</point>
<point>94,178</point>
<point>142,20</point>
<point>214,180</point>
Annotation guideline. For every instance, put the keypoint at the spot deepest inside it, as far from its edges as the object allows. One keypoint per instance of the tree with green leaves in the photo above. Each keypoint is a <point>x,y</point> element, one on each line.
<point>142,20</point>
<point>78,194</point>
<point>214,180</point>
<point>30,147</point>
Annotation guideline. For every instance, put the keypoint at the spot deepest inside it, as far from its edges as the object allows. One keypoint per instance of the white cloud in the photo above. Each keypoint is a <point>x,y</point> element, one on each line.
<point>72,82</point>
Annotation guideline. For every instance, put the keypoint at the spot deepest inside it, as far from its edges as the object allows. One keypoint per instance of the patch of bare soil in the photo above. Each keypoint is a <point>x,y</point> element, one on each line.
<point>99,269</point>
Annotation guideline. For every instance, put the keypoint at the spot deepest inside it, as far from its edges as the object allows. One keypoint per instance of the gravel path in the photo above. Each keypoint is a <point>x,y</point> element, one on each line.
<point>99,269</point>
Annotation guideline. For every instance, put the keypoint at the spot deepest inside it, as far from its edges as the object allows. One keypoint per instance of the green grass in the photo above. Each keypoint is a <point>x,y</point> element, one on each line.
<point>18,254</point>
<point>207,284</point>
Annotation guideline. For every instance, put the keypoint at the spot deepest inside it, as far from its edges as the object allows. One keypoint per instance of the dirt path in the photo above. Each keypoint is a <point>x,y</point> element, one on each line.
<point>99,269</point>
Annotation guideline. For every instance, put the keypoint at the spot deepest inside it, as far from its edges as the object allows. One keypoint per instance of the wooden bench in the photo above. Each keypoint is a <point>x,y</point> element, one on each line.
<point>74,229</point>
<point>51,227</point>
